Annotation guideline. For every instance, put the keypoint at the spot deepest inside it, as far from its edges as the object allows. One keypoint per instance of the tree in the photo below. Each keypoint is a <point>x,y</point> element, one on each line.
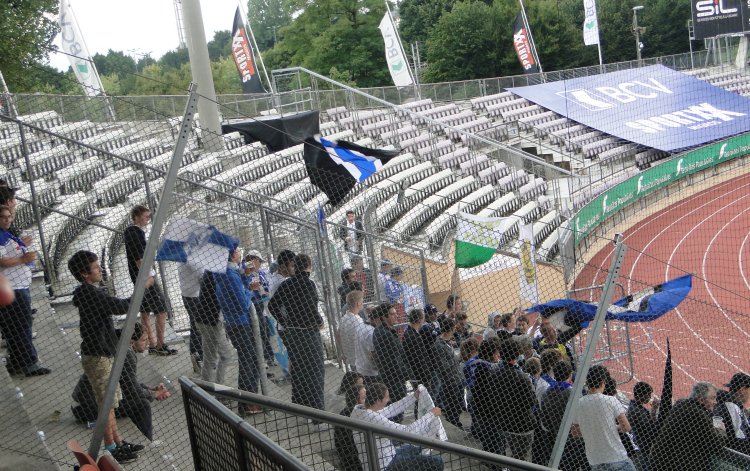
<point>220,46</point>
<point>175,58</point>
<point>266,18</point>
<point>419,16</point>
<point>27,29</point>
<point>114,62</point>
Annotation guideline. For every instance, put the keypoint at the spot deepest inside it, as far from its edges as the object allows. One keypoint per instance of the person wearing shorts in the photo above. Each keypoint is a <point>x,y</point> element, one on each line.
<point>153,298</point>
<point>99,342</point>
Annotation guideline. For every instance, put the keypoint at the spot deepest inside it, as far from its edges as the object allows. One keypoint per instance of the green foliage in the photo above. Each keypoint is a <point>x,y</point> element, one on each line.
<point>220,46</point>
<point>114,62</point>
<point>175,58</point>
<point>266,18</point>
<point>27,28</point>
<point>419,16</point>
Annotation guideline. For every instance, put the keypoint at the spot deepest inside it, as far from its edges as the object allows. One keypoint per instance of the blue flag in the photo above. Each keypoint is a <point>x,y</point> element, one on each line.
<point>200,245</point>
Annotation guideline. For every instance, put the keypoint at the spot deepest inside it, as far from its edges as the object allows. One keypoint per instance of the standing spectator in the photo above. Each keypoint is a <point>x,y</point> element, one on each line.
<point>216,348</point>
<point>348,284</point>
<point>548,359</point>
<point>153,298</point>
<point>463,329</point>
<point>732,408</point>
<point>453,305</point>
<point>431,323</point>
<point>522,323</point>
<point>644,422</point>
<point>258,279</point>
<point>391,359</point>
<point>286,270</point>
<point>447,365</point>
<point>385,274</point>
<point>394,293</point>
<point>516,401</point>
<point>688,439</point>
<point>482,381</point>
<point>16,319</point>
<point>526,347</point>
<point>551,340</point>
<point>599,419</point>
<point>493,325</point>
<point>507,326</point>
<point>468,352</point>
<point>349,325</point>
<point>418,349</point>
<point>190,288</point>
<point>364,350</point>
<point>99,342</point>
<point>364,276</point>
<point>352,233</point>
<point>234,300</point>
<point>295,306</point>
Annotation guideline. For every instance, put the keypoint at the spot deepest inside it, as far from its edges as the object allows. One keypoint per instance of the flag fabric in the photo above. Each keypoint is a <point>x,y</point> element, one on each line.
<point>666,390</point>
<point>527,271</point>
<point>335,167</point>
<point>590,23</point>
<point>523,47</point>
<point>394,54</point>
<point>78,55</point>
<point>242,52</point>
<point>477,239</point>
<point>321,218</point>
<point>644,306</point>
<point>199,245</point>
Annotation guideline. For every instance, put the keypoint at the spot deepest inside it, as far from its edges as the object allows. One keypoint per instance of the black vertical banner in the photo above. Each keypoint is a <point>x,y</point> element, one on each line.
<point>242,52</point>
<point>522,46</point>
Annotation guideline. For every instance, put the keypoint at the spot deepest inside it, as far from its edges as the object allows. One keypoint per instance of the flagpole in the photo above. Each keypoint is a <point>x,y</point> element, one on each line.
<point>246,25</point>
<point>403,52</point>
<point>531,36</point>
<point>110,109</point>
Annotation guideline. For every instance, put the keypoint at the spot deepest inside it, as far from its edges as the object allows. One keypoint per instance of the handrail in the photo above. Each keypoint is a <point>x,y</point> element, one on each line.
<point>358,425</point>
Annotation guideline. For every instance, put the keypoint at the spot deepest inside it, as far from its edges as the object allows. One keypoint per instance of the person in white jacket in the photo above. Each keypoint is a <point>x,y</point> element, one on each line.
<point>405,457</point>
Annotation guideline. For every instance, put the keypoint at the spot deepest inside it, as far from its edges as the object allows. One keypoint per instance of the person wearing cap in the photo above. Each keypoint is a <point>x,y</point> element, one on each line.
<point>259,289</point>
<point>352,233</point>
<point>732,407</point>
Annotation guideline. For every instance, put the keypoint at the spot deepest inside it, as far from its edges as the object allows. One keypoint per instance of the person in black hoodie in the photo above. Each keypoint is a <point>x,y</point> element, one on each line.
<point>515,397</point>
<point>482,380</point>
<point>391,359</point>
<point>418,348</point>
<point>343,438</point>
<point>295,307</point>
<point>99,342</point>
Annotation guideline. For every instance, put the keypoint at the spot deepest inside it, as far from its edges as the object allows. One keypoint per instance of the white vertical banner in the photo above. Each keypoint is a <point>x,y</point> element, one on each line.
<point>590,23</point>
<point>527,271</point>
<point>78,55</point>
<point>394,54</point>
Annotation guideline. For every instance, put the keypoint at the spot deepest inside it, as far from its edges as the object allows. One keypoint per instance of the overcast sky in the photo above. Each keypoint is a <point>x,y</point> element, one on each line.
<point>139,26</point>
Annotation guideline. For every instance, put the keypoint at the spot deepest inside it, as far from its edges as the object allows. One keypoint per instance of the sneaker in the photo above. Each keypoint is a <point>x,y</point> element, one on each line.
<point>40,371</point>
<point>124,455</point>
<point>249,409</point>
<point>163,351</point>
<point>134,447</point>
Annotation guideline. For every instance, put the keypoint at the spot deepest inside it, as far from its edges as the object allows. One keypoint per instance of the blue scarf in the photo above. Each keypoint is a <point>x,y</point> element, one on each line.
<point>5,236</point>
<point>560,386</point>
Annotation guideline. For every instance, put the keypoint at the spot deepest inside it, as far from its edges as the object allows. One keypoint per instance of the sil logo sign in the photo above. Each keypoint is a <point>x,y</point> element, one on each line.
<point>706,8</point>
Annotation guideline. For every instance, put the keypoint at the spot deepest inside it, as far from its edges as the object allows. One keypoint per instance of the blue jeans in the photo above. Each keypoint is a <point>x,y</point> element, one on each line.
<point>625,465</point>
<point>409,458</point>
<point>16,323</point>
<point>242,339</point>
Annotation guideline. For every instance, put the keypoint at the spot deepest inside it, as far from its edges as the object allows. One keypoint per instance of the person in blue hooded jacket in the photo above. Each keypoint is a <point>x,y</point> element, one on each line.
<point>235,301</point>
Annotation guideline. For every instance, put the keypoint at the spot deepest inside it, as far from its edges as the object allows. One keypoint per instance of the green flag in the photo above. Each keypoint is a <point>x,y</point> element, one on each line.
<point>477,239</point>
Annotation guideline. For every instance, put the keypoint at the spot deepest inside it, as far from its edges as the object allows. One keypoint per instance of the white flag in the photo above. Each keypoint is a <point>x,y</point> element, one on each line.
<point>78,55</point>
<point>527,273</point>
<point>394,55</point>
<point>590,23</point>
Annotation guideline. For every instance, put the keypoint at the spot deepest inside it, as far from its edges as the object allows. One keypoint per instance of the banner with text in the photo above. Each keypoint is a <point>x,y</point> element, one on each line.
<point>242,52</point>
<point>653,106</point>
<point>717,17</point>
<point>521,43</point>
<point>631,190</point>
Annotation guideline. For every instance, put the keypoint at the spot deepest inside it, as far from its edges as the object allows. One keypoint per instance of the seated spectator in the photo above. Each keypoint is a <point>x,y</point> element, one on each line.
<point>493,324</point>
<point>348,284</point>
<point>451,379</point>
<point>732,408</point>
<point>343,438</point>
<point>418,349</point>
<point>348,327</point>
<point>350,378</point>
<point>688,439</point>
<point>644,422</point>
<point>390,458</point>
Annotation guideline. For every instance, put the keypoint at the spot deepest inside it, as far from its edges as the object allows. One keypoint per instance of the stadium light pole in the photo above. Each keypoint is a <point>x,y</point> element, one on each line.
<point>637,32</point>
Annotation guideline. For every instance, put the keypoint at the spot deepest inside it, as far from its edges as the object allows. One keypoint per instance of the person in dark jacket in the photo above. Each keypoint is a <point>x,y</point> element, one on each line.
<point>482,380</point>
<point>731,408</point>
<point>447,365</point>
<point>391,359</point>
<point>343,439</point>
<point>295,307</point>
<point>348,284</point>
<point>688,439</point>
<point>515,398</point>
<point>644,422</point>
<point>214,343</point>
<point>417,348</point>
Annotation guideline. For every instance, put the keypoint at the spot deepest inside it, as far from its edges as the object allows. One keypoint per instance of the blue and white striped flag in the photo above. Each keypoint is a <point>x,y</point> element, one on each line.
<point>199,245</point>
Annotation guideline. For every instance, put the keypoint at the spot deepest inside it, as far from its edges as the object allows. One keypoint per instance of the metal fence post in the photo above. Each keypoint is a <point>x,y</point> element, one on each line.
<point>371,447</point>
<point>601,313</point>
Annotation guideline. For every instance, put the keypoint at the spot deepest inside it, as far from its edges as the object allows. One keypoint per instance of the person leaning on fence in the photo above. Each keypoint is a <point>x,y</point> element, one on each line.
<point>391,359</point>
<point>153,298</point>
<point>16,320</point>
<point>644,421</point>
<point>190,288</point>
<point>447,365</point>
<point>688,438</point>
<point>516,400</point>
<point>343,438</point>
<point>239,313</point>
<point>99,341</point>
<point>377,410</point>
<point>732,408</point>
<point>349,326</point>
<point>599,419</point>
<point>418,349</point>
<point>295,306</point>
<point>216,349</point>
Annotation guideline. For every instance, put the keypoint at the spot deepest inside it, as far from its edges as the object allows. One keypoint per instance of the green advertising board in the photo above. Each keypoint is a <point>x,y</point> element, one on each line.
<point>655,178</point>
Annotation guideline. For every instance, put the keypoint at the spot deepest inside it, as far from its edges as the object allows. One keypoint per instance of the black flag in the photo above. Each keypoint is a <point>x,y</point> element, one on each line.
<point>666,390</point>
<point>523,46</point>
<point>335,167</point>
<point>242,52</point>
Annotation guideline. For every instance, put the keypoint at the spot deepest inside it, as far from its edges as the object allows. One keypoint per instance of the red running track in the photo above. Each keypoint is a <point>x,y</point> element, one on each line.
<point>707,234</point>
